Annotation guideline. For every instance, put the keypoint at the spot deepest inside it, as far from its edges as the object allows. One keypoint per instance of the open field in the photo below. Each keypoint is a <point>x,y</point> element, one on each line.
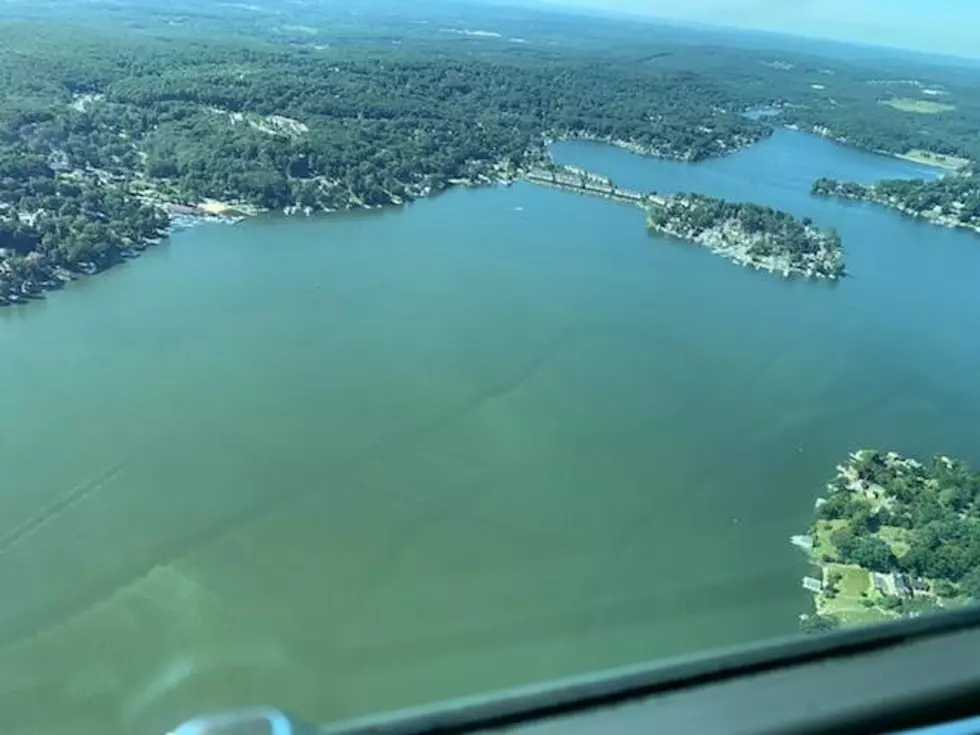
<point>853,587</point>
<point>952,163</point>
<point>854,581</point>
<point>922,107</point>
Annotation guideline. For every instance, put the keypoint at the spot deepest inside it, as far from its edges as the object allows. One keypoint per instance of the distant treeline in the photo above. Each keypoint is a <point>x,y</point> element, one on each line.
<point>92,119</point>
<point>97,125</point>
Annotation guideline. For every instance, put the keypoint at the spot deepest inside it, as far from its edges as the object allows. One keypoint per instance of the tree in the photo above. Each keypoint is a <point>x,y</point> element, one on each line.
<point>162,168</point>
<point>971,583</point>
<point>819,623</point>
<point>861,520</point>
<point>892,603</point>
<point>944,588</point>
<point>844,540</point>
<point>872,553</point>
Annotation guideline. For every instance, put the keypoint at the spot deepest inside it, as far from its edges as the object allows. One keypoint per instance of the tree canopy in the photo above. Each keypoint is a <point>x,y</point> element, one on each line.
<point>903,516</point>
<point>954,198</point>
<point>101,123</point>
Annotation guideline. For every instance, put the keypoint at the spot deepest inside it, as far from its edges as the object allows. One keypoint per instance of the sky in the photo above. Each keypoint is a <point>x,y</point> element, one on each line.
<point>939,26</point>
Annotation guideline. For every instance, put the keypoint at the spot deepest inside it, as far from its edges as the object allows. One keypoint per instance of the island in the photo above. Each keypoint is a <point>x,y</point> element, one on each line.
<point>893,537</point>
<point>950,201</point>
<point>749,234</point>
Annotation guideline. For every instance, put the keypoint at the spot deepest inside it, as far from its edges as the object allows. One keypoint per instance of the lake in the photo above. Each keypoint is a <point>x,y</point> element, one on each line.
<point>365,461</point>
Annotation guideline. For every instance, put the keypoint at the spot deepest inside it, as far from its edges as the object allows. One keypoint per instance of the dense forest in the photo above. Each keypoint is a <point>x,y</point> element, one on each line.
<point>881,104</point>
<point>104,128</point>
<point>914,527</point>
<point>897,119</point>
<point>952,200</point>
<point>751,234</point>
<point>98,129</point>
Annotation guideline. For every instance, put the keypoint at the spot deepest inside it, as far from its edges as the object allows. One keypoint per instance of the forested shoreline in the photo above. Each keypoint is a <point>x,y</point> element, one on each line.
<point>894,537</point>
<point>103,135</point>
<point>951,201</point>
<point>107,132</point>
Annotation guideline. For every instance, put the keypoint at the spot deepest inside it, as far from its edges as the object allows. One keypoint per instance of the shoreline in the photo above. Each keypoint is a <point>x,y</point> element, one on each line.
<point>909,156</point>
<point>750,235</point>
<point>739,255</point>
<point>640,149</point>
<point>938,220</point>
<point>858,545</point>
<point>754,248</point>
<point>53,277</point>
<point>948,164</point>
<point>833,593</point>
<point>160,194</point>
<point>181,217</point>
<point>945,168</point>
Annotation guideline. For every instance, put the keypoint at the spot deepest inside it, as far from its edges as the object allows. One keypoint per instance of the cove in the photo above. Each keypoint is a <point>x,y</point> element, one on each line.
<point>364,461</point>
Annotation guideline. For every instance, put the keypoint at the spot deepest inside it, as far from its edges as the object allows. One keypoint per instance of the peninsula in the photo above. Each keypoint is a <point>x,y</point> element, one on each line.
<point>103,159</point>
<point>892,538</point>
<point>951,201</point>
<point>749,234</point>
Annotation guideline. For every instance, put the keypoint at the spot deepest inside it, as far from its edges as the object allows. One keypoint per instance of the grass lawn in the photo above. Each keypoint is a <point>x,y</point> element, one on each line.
<point>866,615</point>
<point>850,610</point>
<point>847,604</point>
<point>822,544</point>
<point>922,107</point>
<point>855,580</point>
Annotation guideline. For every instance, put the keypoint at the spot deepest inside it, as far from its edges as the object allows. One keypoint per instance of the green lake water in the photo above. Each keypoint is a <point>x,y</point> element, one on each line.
<point>359,462</point>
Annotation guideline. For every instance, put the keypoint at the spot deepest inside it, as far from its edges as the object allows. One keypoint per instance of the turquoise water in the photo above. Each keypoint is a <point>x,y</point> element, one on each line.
<point>366,461</point>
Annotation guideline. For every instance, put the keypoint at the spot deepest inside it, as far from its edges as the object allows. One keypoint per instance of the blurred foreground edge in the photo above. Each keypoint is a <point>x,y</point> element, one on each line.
<point>893,677</point>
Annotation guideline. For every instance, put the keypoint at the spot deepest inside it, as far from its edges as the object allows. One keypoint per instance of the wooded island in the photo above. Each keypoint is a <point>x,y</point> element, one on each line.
<point>750,234</point>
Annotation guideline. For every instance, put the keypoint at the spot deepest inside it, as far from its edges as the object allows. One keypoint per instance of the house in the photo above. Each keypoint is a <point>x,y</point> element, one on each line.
<point>880,582</point>
<point>903,584</point>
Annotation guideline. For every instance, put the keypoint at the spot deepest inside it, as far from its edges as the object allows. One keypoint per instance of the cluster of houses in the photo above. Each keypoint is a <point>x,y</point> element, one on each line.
<point>898,584</point>
<point>892,584</point>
